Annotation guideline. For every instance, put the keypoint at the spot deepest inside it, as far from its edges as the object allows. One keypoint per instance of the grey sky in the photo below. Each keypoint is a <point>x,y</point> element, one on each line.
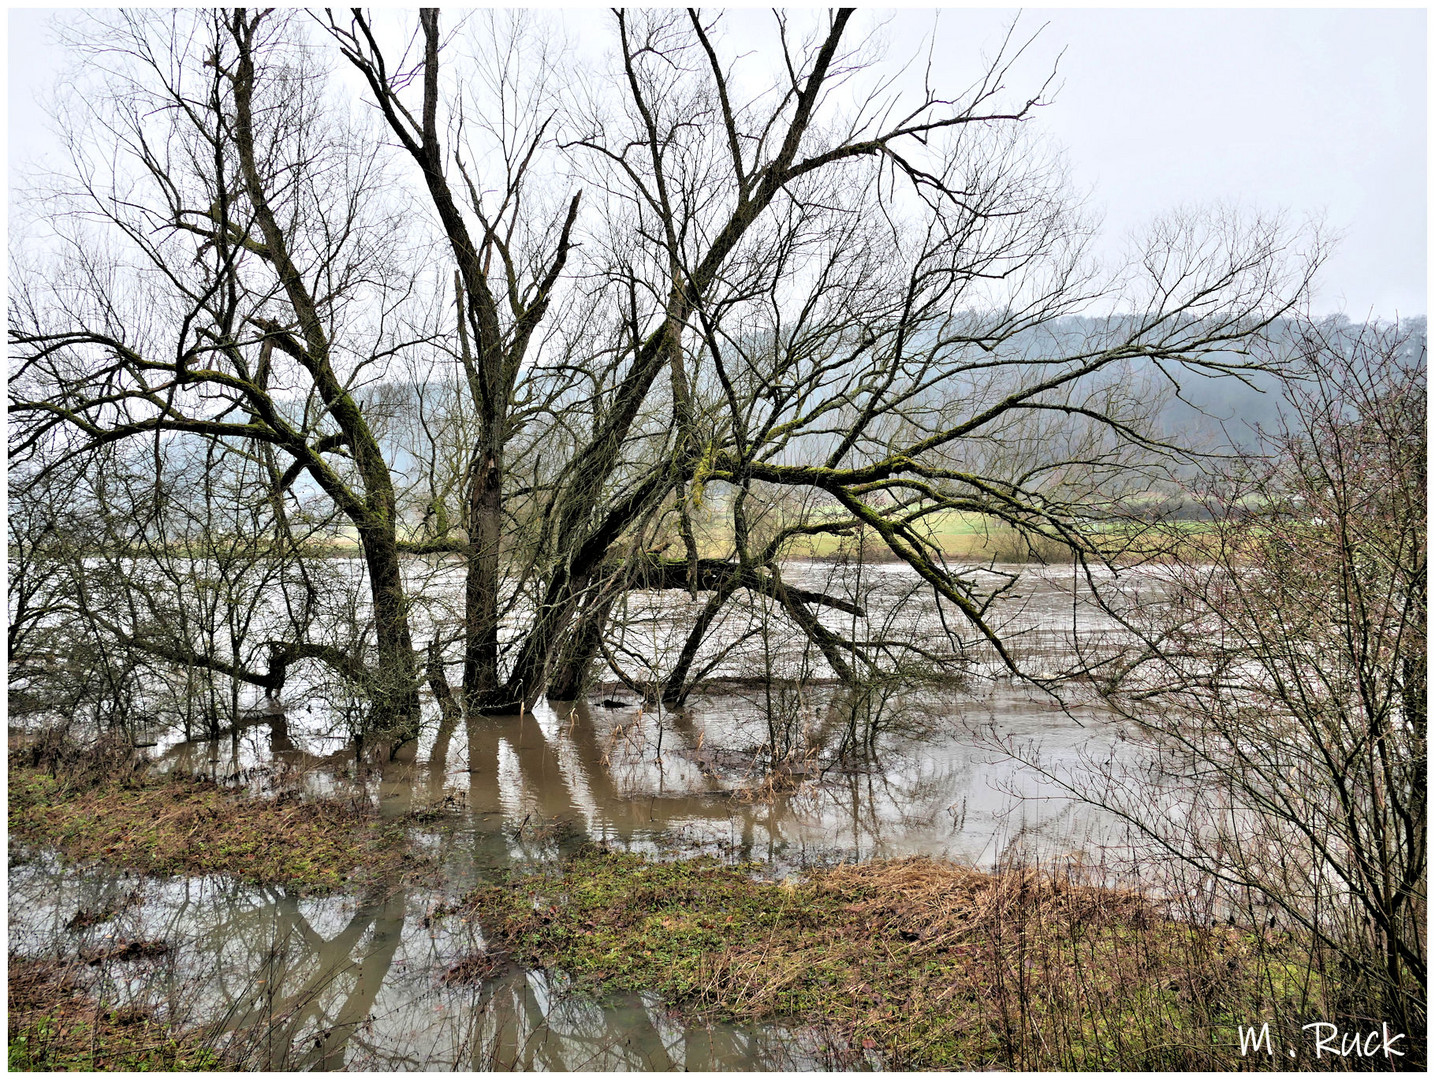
<point>1314,111</point>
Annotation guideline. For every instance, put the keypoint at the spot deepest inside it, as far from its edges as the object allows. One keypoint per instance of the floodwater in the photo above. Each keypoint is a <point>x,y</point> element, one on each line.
<point>353,982</point>
<point>364,981</point>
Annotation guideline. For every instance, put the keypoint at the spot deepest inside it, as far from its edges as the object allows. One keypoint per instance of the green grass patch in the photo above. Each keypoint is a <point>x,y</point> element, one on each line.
<point>168,826</point>
<point>932,966</point>
<point>55,1026</point>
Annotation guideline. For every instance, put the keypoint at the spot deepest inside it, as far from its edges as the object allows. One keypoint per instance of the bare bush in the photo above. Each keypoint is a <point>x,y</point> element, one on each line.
<point>1281,686</point>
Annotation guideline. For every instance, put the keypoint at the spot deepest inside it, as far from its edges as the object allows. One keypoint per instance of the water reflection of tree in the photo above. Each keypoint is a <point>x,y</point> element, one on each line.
<point>295,988</point>
<point>299,988</point>
<point>284,994</point>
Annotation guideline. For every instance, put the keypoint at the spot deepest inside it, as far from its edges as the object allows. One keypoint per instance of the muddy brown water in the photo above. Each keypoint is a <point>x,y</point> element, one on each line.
<point>363,981</point>
<point>355,982</point>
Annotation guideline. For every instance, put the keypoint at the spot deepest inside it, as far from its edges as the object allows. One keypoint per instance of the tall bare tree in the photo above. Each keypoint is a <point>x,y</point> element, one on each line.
<point>224,275</point>
<point>798,287</point>
<point>771,288</point>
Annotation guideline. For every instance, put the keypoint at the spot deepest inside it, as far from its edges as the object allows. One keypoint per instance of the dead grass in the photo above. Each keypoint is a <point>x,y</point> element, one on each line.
<point>87,917</point>
<point>929,965</point>
<point>477,967</point>
<point>55,1025</point>
<point>183,826</point>
<point>125,952</point>
<point>942,903</point>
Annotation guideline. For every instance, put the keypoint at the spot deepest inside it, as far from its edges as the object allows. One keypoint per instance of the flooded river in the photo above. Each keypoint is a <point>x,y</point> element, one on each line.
<point>373,982</point>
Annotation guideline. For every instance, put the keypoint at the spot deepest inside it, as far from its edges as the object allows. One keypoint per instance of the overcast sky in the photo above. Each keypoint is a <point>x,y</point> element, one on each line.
<point>1312,111</point>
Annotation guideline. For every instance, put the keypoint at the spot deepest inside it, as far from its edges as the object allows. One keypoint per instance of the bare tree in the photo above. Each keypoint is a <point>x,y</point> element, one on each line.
<point>780,292</point>
<point>782,305</point>
<point>224,276</point>
<point>496,321</point>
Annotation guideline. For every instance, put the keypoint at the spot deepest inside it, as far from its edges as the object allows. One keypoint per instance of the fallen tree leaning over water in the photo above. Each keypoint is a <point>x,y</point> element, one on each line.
<point>822,309</point>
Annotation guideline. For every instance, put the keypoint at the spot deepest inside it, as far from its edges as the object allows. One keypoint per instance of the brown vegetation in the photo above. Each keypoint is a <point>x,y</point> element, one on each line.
<point>94,805</point>
<point>924,964</point>
<point>55,1025</point>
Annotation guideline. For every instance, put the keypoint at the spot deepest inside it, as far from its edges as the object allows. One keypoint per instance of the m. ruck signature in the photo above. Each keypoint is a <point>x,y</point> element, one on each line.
<point>1328,1040</point>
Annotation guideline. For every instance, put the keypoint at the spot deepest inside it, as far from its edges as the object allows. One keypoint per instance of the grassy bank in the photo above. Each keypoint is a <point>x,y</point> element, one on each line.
<point>169,826</point>
<point>54,1025</point>
<point>931,966</point>
<point>977,538</point>
<point>914,964</point>
<point>98,804</point>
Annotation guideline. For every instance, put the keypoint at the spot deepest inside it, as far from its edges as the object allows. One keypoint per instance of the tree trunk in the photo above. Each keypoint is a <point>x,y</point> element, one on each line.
<point>485,520</point>
<point>675,689</point>
<point>525,682</point>
<point>569,675</point>
<point>394,692</point>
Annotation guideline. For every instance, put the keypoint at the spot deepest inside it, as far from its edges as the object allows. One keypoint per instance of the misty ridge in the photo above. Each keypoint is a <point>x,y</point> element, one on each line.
<point>1204,413</point>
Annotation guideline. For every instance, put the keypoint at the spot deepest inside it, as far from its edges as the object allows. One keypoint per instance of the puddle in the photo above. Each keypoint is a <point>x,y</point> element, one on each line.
<point>353,982</point>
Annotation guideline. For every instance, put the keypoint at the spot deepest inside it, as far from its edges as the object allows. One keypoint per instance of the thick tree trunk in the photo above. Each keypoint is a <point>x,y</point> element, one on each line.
<point>569,674</point>
<point>485,520</point>
<point>394,693</point>
<point>525,682</point>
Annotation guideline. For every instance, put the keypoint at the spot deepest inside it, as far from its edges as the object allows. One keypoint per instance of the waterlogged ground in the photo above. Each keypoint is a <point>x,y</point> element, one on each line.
<point>356,982</point>
<point>375,981</point>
